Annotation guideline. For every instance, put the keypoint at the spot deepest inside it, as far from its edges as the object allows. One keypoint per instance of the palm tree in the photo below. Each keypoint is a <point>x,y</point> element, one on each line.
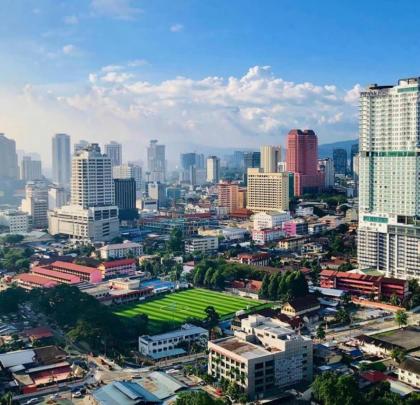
<point>401,318</point>
<point>397,355</point>
<point>6,399</point>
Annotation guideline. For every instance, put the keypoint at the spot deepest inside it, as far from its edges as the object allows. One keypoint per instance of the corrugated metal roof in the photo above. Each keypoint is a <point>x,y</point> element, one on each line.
<point>12,359</point>
<point>161,384</point>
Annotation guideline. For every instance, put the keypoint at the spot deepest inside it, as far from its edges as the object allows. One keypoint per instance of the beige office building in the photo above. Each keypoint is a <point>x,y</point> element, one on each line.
<point>270,158</point>
<point>267,191</point>
<point>262,357</point>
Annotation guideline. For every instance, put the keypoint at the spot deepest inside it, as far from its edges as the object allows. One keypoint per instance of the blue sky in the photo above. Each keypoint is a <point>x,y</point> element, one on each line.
<point>196,73</point>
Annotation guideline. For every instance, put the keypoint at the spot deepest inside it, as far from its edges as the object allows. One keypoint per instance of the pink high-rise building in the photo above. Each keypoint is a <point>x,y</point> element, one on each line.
<point>302,161</point>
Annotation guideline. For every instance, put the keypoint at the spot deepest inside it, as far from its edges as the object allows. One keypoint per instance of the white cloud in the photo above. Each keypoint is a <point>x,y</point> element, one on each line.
<point>69,49</point>
<point>176,28</point>
<point>115,77</point>
<point>352,96</point>
<point>119,9</point>
<point>246,111</point>
<point>71,20</point>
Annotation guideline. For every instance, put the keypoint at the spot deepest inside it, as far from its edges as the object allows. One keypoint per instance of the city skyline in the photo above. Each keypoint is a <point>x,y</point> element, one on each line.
<point>66,72</point>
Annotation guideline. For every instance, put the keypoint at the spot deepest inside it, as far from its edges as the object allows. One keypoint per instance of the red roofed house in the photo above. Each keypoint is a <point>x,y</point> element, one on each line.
<point>363,284</point>
<point>247,288</point>
<point>89,274</point>
<point>117,268</point>
<point>255,259</point>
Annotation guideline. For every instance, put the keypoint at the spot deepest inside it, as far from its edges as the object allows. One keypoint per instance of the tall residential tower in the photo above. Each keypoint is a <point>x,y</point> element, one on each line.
<point>92,214</point>
<point>389,179</point>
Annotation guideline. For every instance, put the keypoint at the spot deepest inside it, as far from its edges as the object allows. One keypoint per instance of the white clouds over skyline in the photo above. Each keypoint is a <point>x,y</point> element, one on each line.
<point>238,112</point>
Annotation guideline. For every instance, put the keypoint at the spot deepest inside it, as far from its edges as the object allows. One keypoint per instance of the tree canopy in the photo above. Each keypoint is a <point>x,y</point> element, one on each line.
<point>284,286</point>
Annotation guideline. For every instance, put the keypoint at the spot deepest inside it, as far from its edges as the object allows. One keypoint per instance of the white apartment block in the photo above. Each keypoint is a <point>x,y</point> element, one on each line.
<point>95,224</point>
<point>120,250</point>
<point>409,371</point>
<point>267,191</point>
<point>203,244</point>
<point>16,221</point>
<point>165,345</point>
<point>389,179</point>
<point>268,220</point>
<point>264,236</point>
<point>262,357</point>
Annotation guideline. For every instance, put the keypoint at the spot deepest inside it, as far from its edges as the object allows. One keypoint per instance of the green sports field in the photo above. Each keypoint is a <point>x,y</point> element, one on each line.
<point>172,310</point>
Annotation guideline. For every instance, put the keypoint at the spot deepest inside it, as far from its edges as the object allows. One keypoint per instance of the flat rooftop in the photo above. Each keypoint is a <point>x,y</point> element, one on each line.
<point>241,348</point>
<point>407,338</point>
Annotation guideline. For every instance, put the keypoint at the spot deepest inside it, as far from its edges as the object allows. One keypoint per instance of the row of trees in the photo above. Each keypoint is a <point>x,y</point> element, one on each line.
<point>284,286</point>
<point>214,274</point>
<point>333,389</point>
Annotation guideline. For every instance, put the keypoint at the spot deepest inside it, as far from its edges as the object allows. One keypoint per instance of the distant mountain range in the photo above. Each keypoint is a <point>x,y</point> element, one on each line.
<point>326,150</point>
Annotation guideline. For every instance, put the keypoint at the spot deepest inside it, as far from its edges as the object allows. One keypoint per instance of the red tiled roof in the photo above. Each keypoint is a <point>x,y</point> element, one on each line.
<point>74,267</point>
<point>38,280</point>
<point>53,273</point>
<point>117,263</point>
<point>38,333</point>
<point>374,376</point>
<point>364,277</point>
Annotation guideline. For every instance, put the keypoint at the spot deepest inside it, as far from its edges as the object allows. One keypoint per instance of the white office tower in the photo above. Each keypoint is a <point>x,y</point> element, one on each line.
<point>213,169</point>
<point>326,166</point>
<point>156,161</point>
<point>35,203</point>
<point>129,171</point>
<point>114,151</point>
<point>61,159</point>
<point>92,214</point>
<point>389,179</point>
<point>30,169</point>
<point>270,158</point>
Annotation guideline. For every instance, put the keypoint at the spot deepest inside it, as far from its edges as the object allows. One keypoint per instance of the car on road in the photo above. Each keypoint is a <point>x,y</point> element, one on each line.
<point>31,401</point>
<point>55,396</point>
<point>77,394</point>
